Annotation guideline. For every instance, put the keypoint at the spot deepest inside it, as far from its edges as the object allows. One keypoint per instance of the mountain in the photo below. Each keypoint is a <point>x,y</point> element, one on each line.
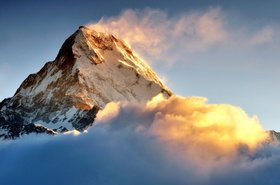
<point>274,137</point>
<point>90,70</point>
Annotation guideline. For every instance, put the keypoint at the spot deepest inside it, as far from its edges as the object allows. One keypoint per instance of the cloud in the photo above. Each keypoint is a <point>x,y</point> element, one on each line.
<point>265,35</point>
<point>153,33</point>
<point>191,126</point>
<point>175,141</point>
<point>163,38</point>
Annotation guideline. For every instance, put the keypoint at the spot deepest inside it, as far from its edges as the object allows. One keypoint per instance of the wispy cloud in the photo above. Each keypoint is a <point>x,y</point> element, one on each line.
<point>265,35</point>
<point>160,37</point>
<point>154,33</point>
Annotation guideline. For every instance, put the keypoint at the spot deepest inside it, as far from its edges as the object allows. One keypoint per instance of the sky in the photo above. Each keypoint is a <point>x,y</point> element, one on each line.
<point>236,62</point>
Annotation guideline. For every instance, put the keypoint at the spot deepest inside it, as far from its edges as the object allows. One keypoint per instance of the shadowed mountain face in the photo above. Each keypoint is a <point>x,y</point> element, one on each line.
<point>90,70</point>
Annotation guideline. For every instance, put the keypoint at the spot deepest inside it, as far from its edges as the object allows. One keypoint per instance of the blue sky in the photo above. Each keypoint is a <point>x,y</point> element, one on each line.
<point>239,68</point>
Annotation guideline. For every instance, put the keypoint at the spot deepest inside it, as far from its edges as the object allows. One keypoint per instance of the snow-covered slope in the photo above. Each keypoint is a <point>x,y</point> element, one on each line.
<point>90,70</point>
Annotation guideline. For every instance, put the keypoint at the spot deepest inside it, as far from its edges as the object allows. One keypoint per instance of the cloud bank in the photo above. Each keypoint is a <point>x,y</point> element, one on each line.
<point>191,126</point>
<point>161,37</point>
<point>166,141</point>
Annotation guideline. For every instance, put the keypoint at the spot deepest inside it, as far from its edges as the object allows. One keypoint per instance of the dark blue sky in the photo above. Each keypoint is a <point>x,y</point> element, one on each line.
<point>32,32</point>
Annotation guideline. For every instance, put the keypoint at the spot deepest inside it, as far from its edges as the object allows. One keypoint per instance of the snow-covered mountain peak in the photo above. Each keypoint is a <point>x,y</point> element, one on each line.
<point>90,70</point>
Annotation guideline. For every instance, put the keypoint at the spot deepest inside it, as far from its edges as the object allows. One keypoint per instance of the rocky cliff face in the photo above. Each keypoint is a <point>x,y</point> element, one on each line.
<point>90,70</point>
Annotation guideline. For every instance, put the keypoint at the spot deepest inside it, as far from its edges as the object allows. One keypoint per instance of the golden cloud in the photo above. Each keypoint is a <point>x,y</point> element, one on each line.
<point>188,126</point>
